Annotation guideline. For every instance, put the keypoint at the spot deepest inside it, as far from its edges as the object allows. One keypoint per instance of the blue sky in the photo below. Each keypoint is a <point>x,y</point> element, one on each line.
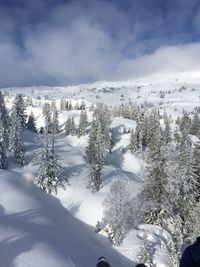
<point>58,42</point>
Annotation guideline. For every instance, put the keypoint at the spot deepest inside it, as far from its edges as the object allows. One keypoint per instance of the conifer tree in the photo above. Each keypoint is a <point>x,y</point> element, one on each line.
<point>3,157</point>
<point>55,122</point>
<point>15,142</point>
<point>118,211</point>
<point>143,255</point>
<point>5,120</point>
<point>195,125</point>
<point>95,156</point>
<point>83,123</point>
<point>185,122</point>
<point>20,108</point>
<point>48,118</point>
<point>49,172</point>
<point>31,124</point>
<point>167,130</point>
<point>68,126</point>
<point>195,165</point>
<point>102,115</point>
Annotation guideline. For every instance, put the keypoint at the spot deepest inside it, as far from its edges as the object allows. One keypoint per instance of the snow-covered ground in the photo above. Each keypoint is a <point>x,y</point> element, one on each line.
<point>37,229</point>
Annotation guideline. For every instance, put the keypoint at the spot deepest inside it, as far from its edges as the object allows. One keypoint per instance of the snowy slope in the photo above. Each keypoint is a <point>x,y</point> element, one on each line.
<point>35,230</point>
<point>41,230</point>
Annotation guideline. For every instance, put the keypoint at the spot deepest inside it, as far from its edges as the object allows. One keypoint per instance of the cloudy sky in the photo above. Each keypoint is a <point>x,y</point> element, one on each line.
<point>60,42</point>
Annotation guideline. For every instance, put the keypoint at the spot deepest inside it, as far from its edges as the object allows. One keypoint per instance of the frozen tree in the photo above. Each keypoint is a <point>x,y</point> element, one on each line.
<point>3,157</point>
<point>49,172</point>
<point>48,118</point>
<point>5,120</point>
<point>82,105</point>
<point>68,126</point>
<point>195,125</point>
<point>173,260</point>
<point>83,123</point>
<point>95,155</point>
<point>29,101</point>
<point>143,255</point>
<point>73,130</point>
<point>155,188</point>
<point>194,223</point>
<point>195,165</point>
<point>62,104</point>
<point>167,130</point>
<point>55,122</point>
<point>102,114</point>
<point>119,210</point>
<point>15,142</point>
<point>31,124</point>
<point>20,109</point>
<point>185,122</point>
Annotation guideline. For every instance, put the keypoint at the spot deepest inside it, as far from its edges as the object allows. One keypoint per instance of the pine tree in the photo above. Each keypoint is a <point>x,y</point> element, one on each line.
<point>49,173</point>
<point>31,124</point>
<point>5,120</point>
<point>73,130</point>
<point>95,156</point>
<point>185,122</point>
<point>62,104</point>
<point>82,105</point>
<point>55,122</point>
<point>167,130</point>
<point>195,125</point>
<point>68,126</point>
<point>155,189</point>
<point>143,255</point>
<point>83,123</point>
<point>195,165</point>
<point>20,109</point>
<point>102,115</point>
<point>3,157</point>
<point>15,142</point>
<point>48,118</point>
<point>119,211</point>
<point>29,101</point>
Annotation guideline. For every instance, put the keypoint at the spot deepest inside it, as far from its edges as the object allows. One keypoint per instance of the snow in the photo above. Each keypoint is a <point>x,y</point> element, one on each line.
<point>37,229</point>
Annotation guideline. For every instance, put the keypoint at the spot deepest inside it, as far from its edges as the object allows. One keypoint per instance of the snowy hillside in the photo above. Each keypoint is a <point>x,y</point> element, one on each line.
<point>39,229</point>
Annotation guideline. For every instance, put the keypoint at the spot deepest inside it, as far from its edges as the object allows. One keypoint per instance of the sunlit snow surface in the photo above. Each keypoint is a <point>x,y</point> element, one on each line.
<point>38,230</point>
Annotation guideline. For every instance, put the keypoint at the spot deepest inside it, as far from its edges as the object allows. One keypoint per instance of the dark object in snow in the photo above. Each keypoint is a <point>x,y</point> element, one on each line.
<point>140,265</point>
<point>191,255</point>
<point>102,262</point>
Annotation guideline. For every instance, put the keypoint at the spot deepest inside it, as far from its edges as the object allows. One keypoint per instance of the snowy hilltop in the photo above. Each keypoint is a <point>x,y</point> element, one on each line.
<point>106,169</point>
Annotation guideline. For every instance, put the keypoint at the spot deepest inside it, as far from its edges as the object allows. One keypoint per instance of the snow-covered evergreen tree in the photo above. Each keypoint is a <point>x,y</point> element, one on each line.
<point>5,120</point>
<point>102,114</point>
<point>48,118</point>
<point>68,126</point>
<point>20,108</point>
<point>3,157</point>
<point>31,124</point>
<point>55,122</point>
<point>167,130</point>
<point>62,104</point>
<point>119,210</point>
<point>95,155</point>
<point>83,123</point>
<point>29,101</point>
<point>185,122</point>
<point>195,165</point>
<point>49,172</point>
<point>155,188</point>
<point>195,125</point>
<point>15,142</point>
<point>143,255</point>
